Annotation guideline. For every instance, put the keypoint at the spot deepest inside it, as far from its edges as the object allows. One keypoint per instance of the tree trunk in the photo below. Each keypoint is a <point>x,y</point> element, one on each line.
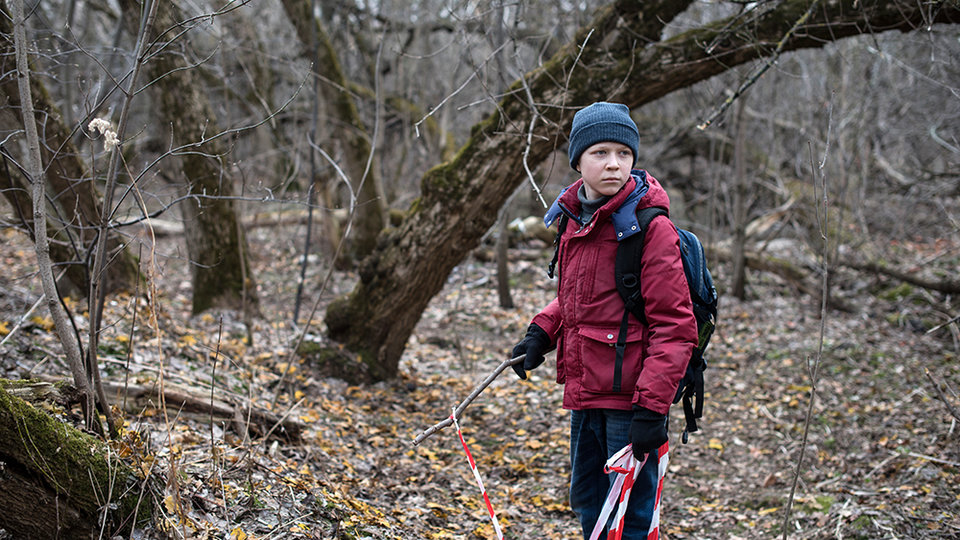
<point>503,264</point>
<point>739,219</point>
<point>71,188</point>
<point>618,58</point>
<point>216,243</point>
<point>56,482</point>
<point>339,107</point>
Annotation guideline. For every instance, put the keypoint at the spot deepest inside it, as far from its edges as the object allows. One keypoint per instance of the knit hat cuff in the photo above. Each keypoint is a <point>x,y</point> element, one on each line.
<point>588,136</point>
<point>602,122</point>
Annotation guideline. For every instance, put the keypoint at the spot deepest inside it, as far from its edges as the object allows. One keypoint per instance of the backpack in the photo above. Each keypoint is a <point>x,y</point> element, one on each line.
<point>702,293</point>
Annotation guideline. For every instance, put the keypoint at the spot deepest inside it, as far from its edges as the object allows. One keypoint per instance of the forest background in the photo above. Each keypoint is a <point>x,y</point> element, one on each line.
<point>268,243</point>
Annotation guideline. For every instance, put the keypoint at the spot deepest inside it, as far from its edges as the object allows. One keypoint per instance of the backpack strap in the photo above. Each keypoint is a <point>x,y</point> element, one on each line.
<point>691,393</point>
<point>627,268</point>
<point>630,262</point>
<point>561,225</point>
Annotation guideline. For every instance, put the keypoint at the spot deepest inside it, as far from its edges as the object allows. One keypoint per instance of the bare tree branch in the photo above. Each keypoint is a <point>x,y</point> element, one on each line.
<point>953,411</point>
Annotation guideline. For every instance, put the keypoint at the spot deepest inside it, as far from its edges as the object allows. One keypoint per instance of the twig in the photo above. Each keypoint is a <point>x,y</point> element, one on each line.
<point>340,245</point>
<point>213,383</point>
<point>474,73</point>
<point>23,318</point>
<point>759,72</point>
<point>929,458</point>
<point>882,464</point>
<point>96,298</point>
<point>458,412</point>
<point>281,420</point>
<point>311,193</point>
<point>35,173</point>
<point>351,214</point>
<point>576,61</point>
<point>766,412</point>
<point>948,323</point>
<point>943,398</point>
<point>526,149</point>
<point>813,370</point>
<point>248,451</point>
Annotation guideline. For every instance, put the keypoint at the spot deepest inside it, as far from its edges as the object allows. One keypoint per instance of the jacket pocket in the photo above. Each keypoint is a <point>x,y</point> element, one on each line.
<point>598,356</point>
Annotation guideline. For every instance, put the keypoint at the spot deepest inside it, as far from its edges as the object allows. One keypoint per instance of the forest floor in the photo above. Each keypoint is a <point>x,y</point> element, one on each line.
<point>882,459</point>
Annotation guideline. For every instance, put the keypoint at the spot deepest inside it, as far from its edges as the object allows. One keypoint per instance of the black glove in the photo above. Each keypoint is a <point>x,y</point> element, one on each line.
<point>648,431</point>
<point>534,344</point>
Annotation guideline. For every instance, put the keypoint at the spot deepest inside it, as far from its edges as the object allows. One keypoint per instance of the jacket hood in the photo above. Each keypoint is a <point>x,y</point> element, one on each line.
<point>645,191</point>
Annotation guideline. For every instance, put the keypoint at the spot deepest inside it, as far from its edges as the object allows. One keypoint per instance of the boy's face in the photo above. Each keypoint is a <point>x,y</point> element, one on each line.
<point>605,167</point>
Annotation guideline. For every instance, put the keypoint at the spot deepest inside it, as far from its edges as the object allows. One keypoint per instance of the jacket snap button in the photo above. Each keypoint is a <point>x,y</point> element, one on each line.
<point>609,336</point>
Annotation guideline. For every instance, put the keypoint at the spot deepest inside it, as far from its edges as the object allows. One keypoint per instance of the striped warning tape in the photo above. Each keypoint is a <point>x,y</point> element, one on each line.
<point>627,468</point>
<point>473,466</point>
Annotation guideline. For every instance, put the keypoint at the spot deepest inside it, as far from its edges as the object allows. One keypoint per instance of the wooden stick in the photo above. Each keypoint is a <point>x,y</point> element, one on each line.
<point>930,331</point>
<point>458,412</point>
<point>943,398</point>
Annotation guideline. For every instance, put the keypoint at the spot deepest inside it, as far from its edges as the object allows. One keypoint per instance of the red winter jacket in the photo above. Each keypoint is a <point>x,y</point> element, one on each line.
<point>584,319</point>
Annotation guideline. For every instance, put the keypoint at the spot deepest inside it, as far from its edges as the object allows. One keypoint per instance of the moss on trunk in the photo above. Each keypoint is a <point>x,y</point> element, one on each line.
<point>66,481</point>
<point>216,244</point>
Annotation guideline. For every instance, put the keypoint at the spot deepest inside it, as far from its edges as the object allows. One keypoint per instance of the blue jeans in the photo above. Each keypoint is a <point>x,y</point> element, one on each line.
<point>595,435</point>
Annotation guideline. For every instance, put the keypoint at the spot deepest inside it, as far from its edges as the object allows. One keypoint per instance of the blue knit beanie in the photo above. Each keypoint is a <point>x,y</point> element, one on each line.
<point>602,122</point>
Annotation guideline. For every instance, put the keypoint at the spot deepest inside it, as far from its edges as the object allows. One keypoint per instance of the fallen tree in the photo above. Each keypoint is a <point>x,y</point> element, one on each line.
<point>800,278</point>
<point>59,482</point>
<point>946,285</point>
<point>236,411</point>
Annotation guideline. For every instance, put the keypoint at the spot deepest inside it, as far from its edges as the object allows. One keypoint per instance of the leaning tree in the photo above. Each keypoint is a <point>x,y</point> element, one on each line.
<point>621,56</point>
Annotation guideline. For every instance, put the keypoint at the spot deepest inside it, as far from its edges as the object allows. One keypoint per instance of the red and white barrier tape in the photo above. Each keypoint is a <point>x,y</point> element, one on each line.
<point>473,466</point>
<point>627,469</point>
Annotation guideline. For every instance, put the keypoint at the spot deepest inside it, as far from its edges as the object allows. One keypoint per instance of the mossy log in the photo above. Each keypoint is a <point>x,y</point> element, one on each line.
<point>946,285</point>
<point>236,410</point>
<point>58,482</point>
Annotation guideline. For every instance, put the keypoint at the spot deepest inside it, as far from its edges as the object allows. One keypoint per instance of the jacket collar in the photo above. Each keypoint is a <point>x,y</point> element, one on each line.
<point>624,218</point>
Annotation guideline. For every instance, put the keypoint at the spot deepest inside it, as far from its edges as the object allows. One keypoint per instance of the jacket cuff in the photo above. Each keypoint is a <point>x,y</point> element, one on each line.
<point>649,404</point>
<point>547,324</point>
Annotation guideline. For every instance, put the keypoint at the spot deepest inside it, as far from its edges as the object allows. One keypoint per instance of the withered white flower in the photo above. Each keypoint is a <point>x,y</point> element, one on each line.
<point>109,136</point>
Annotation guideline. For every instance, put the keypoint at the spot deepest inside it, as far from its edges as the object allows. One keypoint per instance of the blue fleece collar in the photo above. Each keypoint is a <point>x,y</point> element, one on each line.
<point>624,218</point>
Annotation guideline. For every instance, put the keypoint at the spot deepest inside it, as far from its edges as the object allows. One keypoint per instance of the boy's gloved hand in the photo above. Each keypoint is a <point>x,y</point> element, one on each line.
<point>534,344</point>
<point>648,431</point>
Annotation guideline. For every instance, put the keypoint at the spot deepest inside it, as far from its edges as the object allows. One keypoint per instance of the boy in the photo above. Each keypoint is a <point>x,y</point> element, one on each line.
<point>612,402</point>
